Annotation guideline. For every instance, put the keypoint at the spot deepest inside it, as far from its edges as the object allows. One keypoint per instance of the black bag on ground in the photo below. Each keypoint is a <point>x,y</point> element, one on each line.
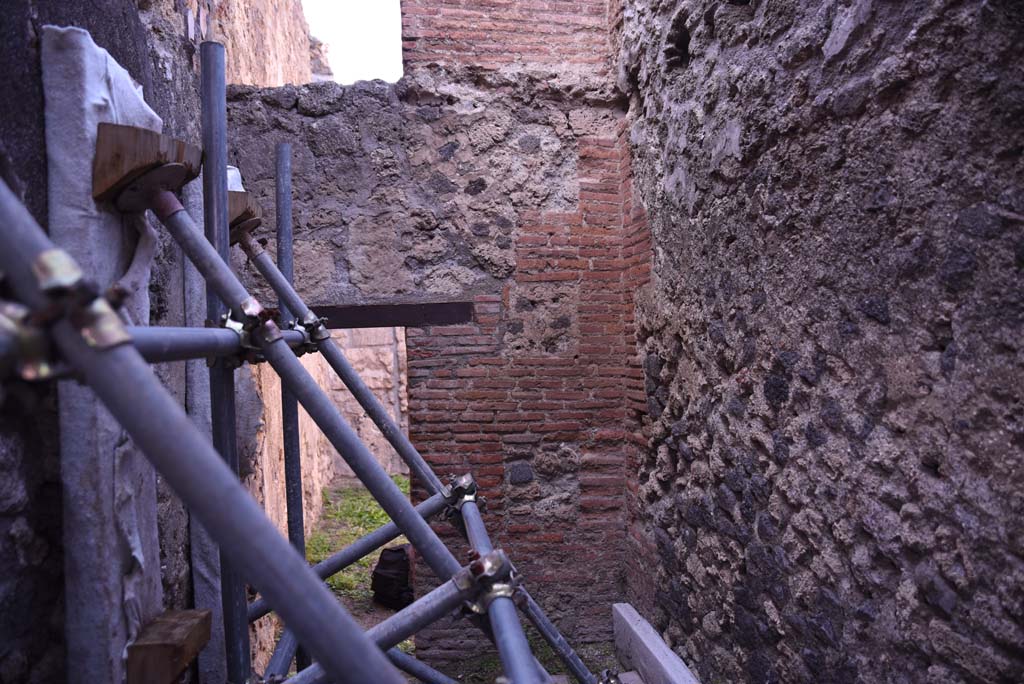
<point>390,581</point>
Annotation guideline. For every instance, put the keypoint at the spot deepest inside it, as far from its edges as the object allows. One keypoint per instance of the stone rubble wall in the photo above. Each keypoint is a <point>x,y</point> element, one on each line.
<point>831,487</point>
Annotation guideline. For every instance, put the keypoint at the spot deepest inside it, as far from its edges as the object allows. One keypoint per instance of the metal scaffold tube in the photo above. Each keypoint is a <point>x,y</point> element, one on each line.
<point>417,668</point>
<point>159,344</point>
<point>411,619</point>
<point>379,415</point>
<point>180,453</point>
<point>284,653</point>
<point>222,375</point>
<point>357,550</point>
<point>501,612</point>
<point>289,405</point>
<point>535,614</point>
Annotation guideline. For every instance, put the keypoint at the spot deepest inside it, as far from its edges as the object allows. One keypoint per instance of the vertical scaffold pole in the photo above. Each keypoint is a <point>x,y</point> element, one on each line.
<point>508,632</point>
<point>181,454</point>
<point>222,378</point>
<point>289,405</point>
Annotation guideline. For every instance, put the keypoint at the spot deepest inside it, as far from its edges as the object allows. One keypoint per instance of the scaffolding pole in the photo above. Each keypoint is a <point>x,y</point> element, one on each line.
<point>92,340</point>
<point>222,375</point>
<point>162,344</point>
<point>357,550</point>
<point>289,406</point>
<point>510,639</point>
<point>398,439</point>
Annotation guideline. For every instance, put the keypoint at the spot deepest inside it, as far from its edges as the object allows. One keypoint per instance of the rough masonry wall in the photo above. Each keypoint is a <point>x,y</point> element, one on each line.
<point>834,370</point>
<point>267,41</point>
<point>149,43</point>
<point>506,188</point>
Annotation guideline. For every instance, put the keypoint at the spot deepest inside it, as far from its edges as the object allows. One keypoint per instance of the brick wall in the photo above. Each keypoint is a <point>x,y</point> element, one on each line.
<point>639,549</point>
<point>540,398</point>
<point>564,34</point>
<point>549,429</point>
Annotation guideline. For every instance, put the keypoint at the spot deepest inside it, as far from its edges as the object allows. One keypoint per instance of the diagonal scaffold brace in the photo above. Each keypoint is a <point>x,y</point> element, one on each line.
<point>320,336</point>
<point>247,311</point>
<point>92,340</point>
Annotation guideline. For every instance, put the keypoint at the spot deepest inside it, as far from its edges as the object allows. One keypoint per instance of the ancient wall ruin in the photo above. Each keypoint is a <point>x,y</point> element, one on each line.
<point>509,187</point>
<point>832,357</point>
<point>811,471</point>
<point>148,42</point>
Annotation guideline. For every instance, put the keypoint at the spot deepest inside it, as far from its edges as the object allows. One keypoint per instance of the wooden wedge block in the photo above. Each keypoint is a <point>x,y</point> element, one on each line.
<point>167,645</point>
<point>124,153</point>
<point>242,206</point>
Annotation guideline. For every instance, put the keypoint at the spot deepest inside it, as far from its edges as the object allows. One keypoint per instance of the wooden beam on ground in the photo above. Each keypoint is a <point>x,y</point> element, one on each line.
<point>167,645</point>
<point>401,315</point>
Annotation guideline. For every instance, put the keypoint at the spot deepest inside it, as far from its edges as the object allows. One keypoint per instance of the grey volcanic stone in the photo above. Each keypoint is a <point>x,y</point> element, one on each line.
<point>836,186</point>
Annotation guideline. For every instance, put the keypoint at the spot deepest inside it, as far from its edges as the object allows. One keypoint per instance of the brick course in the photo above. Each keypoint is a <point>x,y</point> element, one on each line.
<point>477,405</point>
<point>494,33</point>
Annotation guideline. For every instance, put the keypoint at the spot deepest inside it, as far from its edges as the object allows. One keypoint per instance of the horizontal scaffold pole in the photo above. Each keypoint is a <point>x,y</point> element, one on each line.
<point>92,340</point>
<point>159,344</point>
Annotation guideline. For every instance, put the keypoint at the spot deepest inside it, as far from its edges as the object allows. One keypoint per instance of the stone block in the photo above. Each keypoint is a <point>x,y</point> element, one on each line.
<point>638,645</point>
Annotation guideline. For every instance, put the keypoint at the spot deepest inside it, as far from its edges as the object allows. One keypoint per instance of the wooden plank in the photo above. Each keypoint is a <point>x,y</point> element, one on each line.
<point>167,645</point>
<point>123,153</point>
<point>413,315</point>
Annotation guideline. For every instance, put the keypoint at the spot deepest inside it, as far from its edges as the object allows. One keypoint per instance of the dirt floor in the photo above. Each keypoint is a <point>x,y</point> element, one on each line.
<point>351,512</point>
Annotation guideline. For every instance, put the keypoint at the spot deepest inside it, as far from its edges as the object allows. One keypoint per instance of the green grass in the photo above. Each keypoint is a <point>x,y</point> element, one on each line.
<point>350,513</point>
